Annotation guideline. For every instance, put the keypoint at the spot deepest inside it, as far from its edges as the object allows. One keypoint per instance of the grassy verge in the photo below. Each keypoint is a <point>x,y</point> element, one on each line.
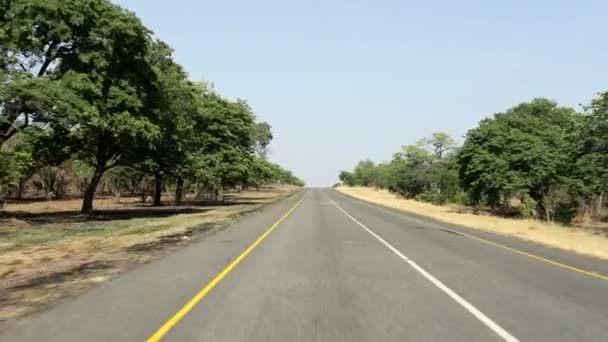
<point>592,242</point>
<point>48,251</point>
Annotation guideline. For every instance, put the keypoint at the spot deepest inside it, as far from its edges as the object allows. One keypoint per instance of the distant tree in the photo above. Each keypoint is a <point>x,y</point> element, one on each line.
<point>347,178</point>
<point>426,170</point>
<point>441,143</point>
<point>365,173</point>
<point>262,136</point>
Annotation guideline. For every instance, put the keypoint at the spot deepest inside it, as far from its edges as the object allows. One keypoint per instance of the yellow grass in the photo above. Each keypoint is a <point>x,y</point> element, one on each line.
<point>569,238</point>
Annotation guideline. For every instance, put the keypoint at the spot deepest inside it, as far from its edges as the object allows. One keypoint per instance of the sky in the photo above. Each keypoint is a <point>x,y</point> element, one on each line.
<point>345,80</point>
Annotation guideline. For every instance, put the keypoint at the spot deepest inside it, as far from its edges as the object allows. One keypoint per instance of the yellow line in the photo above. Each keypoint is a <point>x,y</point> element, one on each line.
<point>533,256</point>
<point>162,331</point>
<point>495,244</point>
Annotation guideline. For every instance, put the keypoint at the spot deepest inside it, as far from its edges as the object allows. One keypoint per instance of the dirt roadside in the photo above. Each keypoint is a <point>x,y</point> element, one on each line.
<point>49,252</point>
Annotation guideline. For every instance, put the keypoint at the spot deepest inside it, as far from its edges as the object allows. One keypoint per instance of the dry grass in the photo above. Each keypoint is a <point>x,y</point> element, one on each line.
<point>41,263</point>
<point>70,205</point>
<point>576,239</point>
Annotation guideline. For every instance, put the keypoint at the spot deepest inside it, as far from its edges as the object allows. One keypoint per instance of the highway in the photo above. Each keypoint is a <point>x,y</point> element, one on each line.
<point>321,266</point>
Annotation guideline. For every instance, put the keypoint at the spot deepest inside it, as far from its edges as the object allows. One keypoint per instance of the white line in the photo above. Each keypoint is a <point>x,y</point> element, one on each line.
<point>455,296</point>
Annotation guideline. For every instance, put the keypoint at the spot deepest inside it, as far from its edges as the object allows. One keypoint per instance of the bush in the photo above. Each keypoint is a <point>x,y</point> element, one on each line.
<point>565,212</point>
<point>434,197</point>
<point>527,207</point>
<point>460,197</point>
<point>426,196</point>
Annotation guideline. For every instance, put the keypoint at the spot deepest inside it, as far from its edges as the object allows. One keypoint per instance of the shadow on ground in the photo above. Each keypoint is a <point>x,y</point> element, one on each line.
<point>133,211</point>
<point>98,215</point>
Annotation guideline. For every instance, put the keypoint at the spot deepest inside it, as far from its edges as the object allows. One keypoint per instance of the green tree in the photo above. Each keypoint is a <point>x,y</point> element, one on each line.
<point>522,151</point>
<point>441,144</point>
<point>83,67</point>
<point>262,136</point>
<point>36,38</point>
<point>590,152</point>
<point>347,178</point>
<point>224,142</point>
<point>175,112</point>
<point>365,173</point>
<point>119,87</point>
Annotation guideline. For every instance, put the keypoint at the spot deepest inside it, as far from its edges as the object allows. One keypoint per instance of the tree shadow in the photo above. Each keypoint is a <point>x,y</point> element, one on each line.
<point>498,212</point>
<point>99,215</point>
<point>228,201</point>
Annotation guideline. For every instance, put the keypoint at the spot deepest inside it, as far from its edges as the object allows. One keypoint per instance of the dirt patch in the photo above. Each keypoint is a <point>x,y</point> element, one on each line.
<point>580,239</point>
<point>41,263</point>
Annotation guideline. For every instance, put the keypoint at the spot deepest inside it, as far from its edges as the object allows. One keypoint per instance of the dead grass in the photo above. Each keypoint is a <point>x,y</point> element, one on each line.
<point>41,263</point>
<point>593,243</point>
<point>70,205</point>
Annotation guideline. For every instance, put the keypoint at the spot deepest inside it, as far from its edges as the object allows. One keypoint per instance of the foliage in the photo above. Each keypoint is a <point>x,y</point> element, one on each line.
<point>87,95</point>
<point>551,158</point>
<point>527,207</point>
<point>524,150</point>
<point>262,136</point>
<point>426,171</point>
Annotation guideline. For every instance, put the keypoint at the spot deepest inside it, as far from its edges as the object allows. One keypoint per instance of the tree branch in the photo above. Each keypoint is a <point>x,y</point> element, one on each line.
<point>22,67</point>
<point>9,133</point>
<point>48,58</point>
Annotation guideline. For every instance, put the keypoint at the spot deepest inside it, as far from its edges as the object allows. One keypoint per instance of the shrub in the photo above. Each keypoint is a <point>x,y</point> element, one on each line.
<point>527,207</point>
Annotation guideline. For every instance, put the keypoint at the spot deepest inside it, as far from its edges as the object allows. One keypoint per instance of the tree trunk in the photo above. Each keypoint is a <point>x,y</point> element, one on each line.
<point>158,180</point>
<point>179,191</point>
<point>8,128</point>
<point>599,205</point>
<point>583,212</point>
<point>20,188</point>
<point>219,195</point>
<point>89,194</point>
<point>547,209</point>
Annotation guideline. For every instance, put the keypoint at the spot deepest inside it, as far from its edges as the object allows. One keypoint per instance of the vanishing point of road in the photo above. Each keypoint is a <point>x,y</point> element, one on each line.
<point>321,266</point>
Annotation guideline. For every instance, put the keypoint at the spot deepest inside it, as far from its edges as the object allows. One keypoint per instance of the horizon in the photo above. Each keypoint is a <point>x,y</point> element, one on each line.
<point>345,81</point>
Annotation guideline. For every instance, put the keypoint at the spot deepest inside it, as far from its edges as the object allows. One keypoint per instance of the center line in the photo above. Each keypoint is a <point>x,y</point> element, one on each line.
<point>455,296</point>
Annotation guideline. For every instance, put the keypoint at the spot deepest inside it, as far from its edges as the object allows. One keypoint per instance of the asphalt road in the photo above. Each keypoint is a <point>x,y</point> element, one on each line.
<point>338,269</point>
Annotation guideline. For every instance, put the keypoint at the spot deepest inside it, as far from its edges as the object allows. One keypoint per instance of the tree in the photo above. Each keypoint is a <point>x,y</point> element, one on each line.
<point>441,143</point>
<point>522,151</point>
<point>175,110</point>
<point>262,136</point>
<point>425,170</point>
<point>590,152</point>
<point>224,142</point>
<point>443,182</point>
<point>81,66</point>
<point>36,37</point>
<point>119,88</point>
<point>347,178</point>
<point>364,173</point>
<point>87,93</point>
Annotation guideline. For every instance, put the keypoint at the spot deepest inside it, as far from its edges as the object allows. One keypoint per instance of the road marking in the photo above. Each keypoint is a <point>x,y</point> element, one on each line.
<point>533,256</point>
<point>455,296</point>
<point>164,329</point>
<point>495,244</point>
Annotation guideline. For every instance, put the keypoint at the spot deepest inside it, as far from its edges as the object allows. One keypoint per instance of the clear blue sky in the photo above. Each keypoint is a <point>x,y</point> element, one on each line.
<point>345,80</point>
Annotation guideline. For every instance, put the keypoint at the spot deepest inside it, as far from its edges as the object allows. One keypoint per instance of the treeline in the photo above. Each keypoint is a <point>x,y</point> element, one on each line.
<point>89,96</point>
<point>537,159</point>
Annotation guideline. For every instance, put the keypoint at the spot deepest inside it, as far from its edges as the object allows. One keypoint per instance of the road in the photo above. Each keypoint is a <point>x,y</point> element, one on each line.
<point>337,269</point>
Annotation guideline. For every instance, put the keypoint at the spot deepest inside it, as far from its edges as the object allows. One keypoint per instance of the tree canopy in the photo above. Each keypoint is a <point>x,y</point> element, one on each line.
<point>537,159</point>
<point>85,83</point>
